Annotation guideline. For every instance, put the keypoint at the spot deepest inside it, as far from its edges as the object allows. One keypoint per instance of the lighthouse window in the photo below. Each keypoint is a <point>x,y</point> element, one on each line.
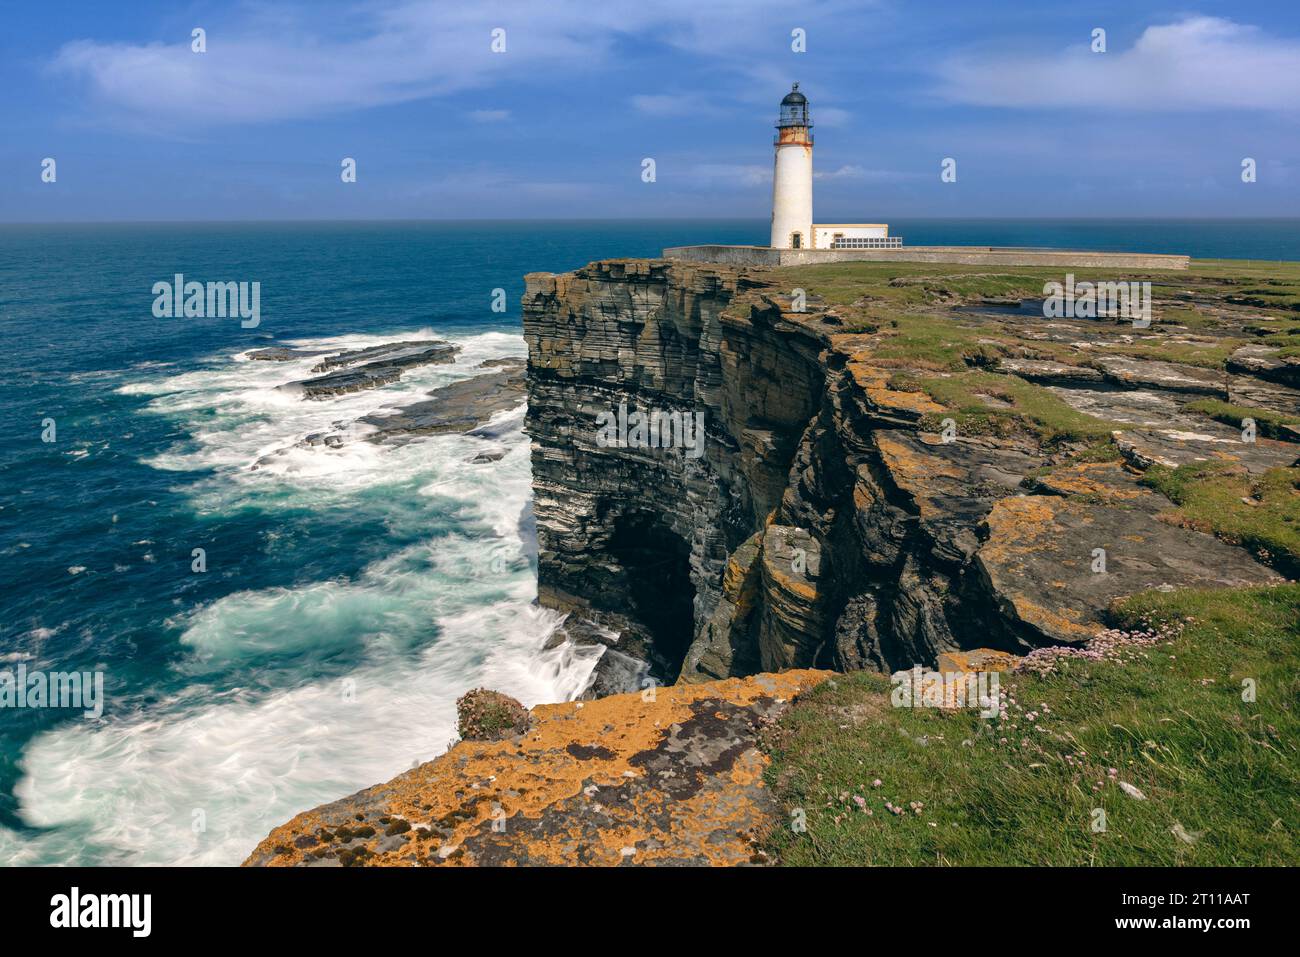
<point>796,240</point>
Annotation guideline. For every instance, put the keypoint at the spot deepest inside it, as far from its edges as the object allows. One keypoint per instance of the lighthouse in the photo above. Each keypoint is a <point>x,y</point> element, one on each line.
<point>792,177</point>
<point>792,188</point>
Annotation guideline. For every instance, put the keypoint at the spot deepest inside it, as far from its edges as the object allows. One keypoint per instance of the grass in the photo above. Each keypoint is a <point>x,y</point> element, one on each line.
<point>1027,406</point>
<point>903,284</point>
<point>1171,721</point>
<point>1268,423</point>
<point>1288,343</point>
<point>1261,513</point>
<point>1208,356</point>
<point>940,343</point>
<point>1185,316</point>
<point>1206,353</point>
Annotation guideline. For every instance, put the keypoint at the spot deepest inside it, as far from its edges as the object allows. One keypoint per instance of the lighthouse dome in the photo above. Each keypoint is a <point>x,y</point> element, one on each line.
<point>794,109</point>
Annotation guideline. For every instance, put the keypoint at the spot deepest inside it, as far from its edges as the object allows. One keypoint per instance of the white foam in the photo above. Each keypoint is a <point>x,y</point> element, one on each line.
<point>237,415</point>
<point>132,786</point>
<point>421,626</point>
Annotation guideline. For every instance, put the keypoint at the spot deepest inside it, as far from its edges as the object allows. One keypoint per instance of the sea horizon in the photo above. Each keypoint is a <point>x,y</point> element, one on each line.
<point>1262,239</point>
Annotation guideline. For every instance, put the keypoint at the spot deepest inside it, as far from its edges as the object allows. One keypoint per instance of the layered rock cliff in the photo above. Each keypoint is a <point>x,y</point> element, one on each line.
<point>840,515</point>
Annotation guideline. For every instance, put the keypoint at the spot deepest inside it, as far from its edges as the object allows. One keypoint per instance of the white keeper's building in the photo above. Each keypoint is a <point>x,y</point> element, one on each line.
<point>792,180</point>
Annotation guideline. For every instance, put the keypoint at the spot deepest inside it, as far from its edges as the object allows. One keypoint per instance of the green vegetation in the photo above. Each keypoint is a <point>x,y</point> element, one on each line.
<point>1207,355</point>
<point>1260,512</point>
<point>1219,776</point>
<point>1186,317</point>
<point>992,404</point>
<point>484,715</point>
<point>904,284</point>
<point>1288,342</point>
<point>940,343</point>
<point>1268,423</point>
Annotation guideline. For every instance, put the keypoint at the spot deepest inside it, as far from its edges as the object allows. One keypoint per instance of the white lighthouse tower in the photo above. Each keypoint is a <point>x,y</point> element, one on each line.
<point>792,189</point>
<point>792,179</point>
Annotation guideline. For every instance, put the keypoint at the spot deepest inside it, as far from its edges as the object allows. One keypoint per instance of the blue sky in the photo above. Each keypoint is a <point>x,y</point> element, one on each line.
<point>142,128</point>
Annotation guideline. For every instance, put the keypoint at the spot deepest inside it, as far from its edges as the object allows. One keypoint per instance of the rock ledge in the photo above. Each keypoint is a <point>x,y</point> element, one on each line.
<point>670,778</point>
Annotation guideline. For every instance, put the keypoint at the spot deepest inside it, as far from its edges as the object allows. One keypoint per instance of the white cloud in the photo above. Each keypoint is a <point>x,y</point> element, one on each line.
<point>740,175</point>
<point>291,66</point>
<point>831,116</point>
<point>854,172</point>
<point>1198,63</point>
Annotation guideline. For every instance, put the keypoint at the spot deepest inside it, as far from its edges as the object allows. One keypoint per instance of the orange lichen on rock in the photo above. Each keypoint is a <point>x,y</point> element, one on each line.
<point>1109,481</point>
<point>1108,552</point>
<point>873,379</point>
<point>975,660</point>
<point>670,777</point>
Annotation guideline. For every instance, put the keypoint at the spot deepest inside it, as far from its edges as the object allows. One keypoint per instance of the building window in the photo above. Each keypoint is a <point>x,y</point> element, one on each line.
<point>866,242</point>
<point>796,240</point>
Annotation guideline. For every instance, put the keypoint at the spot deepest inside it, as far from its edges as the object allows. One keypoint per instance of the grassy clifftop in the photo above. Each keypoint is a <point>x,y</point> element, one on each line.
<point>1222,349</point>
<point>1218,776</point>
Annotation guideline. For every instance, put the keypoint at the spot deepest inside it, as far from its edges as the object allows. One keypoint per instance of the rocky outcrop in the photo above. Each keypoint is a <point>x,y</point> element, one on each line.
<point>466,406</point>
<point>669,777</point>
<point>827,523</point>
<point>361,369</point>
<point>862,499</point>
<point>461,406</point>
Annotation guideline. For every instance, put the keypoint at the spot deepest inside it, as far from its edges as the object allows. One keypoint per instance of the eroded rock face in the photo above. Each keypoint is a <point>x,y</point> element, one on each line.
<point>630,779</point>
<point>640,538</point>
<point>828,523</point>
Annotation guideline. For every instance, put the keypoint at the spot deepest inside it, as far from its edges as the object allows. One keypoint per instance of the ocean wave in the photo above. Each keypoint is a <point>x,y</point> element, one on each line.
<point>236,414</point>
<point>252,727</point>
<point>133,789</point>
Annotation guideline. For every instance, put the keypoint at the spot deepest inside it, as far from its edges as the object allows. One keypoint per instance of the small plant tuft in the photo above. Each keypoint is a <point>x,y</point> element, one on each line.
<point>485,715</point>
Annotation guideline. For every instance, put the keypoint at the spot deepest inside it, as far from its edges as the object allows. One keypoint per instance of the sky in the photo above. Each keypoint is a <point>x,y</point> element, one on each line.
<point>557,121</point>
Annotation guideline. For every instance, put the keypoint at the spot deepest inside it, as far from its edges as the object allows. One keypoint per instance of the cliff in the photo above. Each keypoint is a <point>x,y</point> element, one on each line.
<point>900,463</point>
<point>829,521</point>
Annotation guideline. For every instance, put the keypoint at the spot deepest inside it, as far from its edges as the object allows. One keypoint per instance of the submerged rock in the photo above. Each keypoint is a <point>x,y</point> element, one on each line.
<point>461,406</point>
<point>408,347</point>
<point>394,359</point>
<point>465,406</point>
<point>282,354</point>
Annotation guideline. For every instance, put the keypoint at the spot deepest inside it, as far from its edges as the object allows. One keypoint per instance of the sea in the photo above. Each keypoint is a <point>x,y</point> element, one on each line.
<point>345,598</point>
